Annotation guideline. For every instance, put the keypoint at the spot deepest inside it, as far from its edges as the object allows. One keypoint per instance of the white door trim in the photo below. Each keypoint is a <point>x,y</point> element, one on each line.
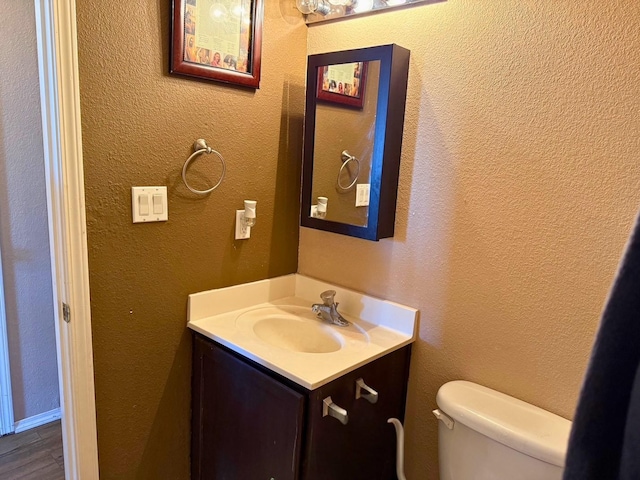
<point>6,399</point>
<point>60,98</point>
<point>38,420</point>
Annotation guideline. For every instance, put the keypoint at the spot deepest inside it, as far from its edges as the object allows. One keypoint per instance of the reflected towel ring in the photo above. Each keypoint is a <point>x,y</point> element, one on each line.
<point>200,146</point>
<point>346,158</point>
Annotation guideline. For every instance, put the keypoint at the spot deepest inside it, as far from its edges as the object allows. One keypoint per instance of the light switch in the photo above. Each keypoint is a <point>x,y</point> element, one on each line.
<point>157,203</point>
<point>143,204</point>
<point>149,204</point>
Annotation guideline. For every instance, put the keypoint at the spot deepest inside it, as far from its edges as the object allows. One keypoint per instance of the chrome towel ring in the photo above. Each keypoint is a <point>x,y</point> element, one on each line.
<point>200,146</point>
<point>346,158</point>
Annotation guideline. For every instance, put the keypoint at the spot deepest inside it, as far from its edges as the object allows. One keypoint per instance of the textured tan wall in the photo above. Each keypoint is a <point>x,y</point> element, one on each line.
<point>139,124</point>
<point>341,128</point>
<point>518,188</point>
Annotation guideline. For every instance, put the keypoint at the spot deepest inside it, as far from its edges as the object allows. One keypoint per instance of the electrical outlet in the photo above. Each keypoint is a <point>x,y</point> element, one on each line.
<point>362,194</point>
<point>242,231</point>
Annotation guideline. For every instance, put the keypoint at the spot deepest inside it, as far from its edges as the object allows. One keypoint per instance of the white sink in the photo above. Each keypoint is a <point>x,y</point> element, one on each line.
<point>296,335</point>
<point>297,329</point>
<point>271,323</point>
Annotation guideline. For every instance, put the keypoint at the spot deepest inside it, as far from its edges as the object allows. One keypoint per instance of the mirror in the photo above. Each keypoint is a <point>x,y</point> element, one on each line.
<point>343,140</point>
<point>352,141</point>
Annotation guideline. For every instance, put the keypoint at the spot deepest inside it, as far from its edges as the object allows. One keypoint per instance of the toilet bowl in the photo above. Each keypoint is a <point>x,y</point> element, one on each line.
<point>487,435</point>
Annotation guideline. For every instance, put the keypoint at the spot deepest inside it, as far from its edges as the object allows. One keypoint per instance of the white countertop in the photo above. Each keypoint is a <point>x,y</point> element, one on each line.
<point>379,326</point>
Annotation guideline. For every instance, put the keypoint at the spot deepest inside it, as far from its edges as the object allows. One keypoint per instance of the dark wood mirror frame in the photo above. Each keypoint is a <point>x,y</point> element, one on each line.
<point>389,124</point>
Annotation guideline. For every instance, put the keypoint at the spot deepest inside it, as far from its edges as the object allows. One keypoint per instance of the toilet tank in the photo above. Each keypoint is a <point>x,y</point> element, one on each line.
<point>497,437</point>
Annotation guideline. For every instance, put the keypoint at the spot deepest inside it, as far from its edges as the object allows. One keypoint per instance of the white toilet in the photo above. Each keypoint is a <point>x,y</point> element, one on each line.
<point>487,435</point>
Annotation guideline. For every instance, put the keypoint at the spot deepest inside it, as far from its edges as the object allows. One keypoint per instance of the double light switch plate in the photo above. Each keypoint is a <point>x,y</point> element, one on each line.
<point>149,204</point>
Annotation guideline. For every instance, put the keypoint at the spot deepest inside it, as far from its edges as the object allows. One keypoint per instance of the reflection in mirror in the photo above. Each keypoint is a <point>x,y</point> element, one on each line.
<point>344,139</point>
<point>354,117</point>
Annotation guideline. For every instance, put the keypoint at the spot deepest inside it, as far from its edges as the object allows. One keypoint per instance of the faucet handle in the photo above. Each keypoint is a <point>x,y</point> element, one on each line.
<point>327,297</point>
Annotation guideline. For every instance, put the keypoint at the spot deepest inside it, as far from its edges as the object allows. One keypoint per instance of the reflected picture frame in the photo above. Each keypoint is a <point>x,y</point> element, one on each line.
<point>335,84</point>
<point>217,40</point>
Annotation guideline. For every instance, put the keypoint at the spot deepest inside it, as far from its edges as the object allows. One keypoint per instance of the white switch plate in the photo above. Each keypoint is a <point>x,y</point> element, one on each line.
<point>242,232</point>
<point>157,212</point>
<point>362,194</point>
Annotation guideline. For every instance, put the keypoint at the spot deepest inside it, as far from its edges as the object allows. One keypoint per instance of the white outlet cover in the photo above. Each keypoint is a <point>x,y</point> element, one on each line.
<point>362,194</point>
<point>242,232</point>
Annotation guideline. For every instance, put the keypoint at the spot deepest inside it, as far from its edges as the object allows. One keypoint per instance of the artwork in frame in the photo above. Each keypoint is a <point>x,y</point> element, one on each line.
<point>343,83</point>
<point>218,40</point>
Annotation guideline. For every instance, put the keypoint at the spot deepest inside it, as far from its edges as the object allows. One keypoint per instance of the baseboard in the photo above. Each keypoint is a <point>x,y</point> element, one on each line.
<point>37,420</point>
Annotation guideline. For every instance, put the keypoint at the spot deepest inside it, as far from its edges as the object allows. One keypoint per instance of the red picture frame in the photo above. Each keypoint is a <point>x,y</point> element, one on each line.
<point>339,87</point>
<point>217,40</point>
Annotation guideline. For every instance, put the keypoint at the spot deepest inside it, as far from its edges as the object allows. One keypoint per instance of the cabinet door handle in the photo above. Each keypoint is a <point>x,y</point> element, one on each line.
<point>333,410</point>
<point>365,391</point>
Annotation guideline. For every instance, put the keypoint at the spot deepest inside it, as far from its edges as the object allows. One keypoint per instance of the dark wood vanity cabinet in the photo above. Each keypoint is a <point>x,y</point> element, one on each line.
<point>251,423</point>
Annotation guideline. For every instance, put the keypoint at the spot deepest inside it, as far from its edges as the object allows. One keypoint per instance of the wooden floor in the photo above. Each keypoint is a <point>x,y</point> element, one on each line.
<point>34,454</point>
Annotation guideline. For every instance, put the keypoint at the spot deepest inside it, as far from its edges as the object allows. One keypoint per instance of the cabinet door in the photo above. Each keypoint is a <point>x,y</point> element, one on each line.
<point>246,425</point>
<point>366,446</point>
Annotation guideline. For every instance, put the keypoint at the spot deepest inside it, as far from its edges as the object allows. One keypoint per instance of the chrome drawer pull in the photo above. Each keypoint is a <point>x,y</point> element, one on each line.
<point>365,391</point>
<point>333,410</point>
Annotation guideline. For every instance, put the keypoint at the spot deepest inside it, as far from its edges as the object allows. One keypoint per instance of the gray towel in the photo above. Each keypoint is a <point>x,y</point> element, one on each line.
<point>605,437</point>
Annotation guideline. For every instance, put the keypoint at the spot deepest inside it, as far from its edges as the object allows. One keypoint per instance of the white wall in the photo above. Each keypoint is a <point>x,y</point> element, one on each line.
<point>23,217</point>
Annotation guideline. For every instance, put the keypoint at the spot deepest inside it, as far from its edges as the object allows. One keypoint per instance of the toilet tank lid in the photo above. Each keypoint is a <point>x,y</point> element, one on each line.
<point>512,422</point>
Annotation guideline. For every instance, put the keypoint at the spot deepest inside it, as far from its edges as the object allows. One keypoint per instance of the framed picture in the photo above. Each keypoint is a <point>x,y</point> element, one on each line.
<point>343,83</point>
<point>218,40</point>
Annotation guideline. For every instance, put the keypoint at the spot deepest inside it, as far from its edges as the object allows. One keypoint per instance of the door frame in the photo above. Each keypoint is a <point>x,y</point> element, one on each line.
<point>62,138</point>
<point>6,398</point>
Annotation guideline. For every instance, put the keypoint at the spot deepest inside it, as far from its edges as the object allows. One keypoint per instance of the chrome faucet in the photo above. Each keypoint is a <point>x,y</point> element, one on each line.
<point>328,310</point>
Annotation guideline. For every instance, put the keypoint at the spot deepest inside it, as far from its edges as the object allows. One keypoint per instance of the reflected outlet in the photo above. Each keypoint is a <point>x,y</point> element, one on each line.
<point>362,194</point>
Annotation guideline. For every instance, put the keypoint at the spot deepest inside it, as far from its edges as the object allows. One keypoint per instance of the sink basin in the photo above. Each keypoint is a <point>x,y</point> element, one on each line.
<point>296,335</point>
<point>295,329</point>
